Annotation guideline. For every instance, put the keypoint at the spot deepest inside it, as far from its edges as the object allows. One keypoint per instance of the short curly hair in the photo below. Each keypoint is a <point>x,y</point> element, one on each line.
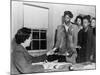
<point>22,34</point>
<point>88,17</point>
<point>69,13</point>
<point>80,17</point>
<point>93,18</point>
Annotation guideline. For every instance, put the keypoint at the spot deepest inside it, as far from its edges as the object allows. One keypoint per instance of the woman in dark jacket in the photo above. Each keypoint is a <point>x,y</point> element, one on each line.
<point>93,26</point>
<point>21,61</point>
<point>85,41</point>
<point>79,23</point>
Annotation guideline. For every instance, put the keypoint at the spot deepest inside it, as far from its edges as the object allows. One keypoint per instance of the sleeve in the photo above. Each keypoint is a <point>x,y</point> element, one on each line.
<point>91,40</point>
<point>58,37</point>
<point>75,36</point>
<point>24,66</point>
<point>80,38</point>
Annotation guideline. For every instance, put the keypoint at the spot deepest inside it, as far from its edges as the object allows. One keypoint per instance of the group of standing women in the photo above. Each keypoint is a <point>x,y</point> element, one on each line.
<point>86,38</point>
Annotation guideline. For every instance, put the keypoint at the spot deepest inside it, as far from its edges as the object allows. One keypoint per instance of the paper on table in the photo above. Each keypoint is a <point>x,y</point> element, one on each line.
<point>53,65</point>
<point>83,67</point>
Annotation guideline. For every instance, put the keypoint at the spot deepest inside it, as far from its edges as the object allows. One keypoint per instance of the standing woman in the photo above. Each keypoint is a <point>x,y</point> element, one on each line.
<point>21,61</point>
<point>78,21</point>
<point>85,40</point>
<point>93,25</point>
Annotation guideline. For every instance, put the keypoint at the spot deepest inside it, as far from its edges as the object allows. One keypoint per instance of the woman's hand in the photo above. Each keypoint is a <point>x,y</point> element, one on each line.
<point>91,57</point>
<point>51,52</point>
<point>79,47</point>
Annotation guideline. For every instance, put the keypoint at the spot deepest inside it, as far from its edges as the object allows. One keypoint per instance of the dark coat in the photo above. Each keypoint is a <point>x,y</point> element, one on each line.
<point>85,40</point>
<point>94,45</point>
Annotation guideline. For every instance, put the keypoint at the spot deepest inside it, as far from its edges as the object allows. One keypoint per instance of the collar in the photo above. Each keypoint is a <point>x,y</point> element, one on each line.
<point>86,29</point>
<point>66,27</point>
<point>70,24</point>
<point>67,24</point>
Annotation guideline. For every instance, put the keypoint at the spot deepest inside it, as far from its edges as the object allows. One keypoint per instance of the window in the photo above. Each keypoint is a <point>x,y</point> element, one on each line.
<point>39,40</point>
<point>36,18</point>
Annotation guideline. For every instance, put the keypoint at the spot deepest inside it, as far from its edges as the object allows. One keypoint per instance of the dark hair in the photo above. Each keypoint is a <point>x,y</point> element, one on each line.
<point>69,13</point>
<point>93,18</point>
<point>22,35</point>
<point>80,17</point>
<point>88,17</point>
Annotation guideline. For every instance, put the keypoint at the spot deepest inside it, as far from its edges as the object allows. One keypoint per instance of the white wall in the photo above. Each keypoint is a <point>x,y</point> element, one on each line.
<point>35,17</point>
<point>17,17</point>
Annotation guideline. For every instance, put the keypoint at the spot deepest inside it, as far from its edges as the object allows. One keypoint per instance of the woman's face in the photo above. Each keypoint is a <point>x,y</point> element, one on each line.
<point>93,23</point>
<point>27,41</point>
<point>79,21</point>
<point>85,23</point>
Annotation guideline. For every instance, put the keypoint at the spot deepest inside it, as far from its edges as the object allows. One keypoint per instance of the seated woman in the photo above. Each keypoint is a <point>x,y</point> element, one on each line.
<point>21,61</point>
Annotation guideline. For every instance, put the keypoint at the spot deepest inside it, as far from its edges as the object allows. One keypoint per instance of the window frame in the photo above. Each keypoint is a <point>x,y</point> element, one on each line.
<point>39,39</point>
